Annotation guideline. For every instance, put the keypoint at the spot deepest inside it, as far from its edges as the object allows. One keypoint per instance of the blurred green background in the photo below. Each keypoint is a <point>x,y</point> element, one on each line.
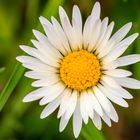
<point>20,121</point>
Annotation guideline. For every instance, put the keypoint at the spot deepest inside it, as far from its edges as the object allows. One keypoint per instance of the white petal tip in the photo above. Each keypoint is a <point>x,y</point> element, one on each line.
<point>42,19</point>
<point>60,8</point>
<point>116,120</point>
<point>52,18</point>
<point>126,105</point>
<point>33,41</point>
<point>18,58</point>
<point>130,24</point>
<point>112,23</point>
<point>42,116</point>
<point>61,128</point>
<point>58,115</point>
<point>136,34</point>
<point>21,46</point>
<point>76,135</point>
<point>34,84</point>
<point>25,100</point>
<point>41,103</point>
<point>99,127</point>
<point>129,97</point>
<point>85,121</point>
<point>97,3</point>
<point>34,31</point>
<point>110,125</point>
<point>75,7</point>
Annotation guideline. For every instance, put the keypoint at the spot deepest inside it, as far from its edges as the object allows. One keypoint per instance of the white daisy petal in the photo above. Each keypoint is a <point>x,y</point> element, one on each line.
<point>66,116</point>
<point>95,103</point>
<point>89,106</point>
<point>111,44</point>
<point>64,103</point>
<point>72,105</point>
<point>128,83</point>
<point>106,120</point>
<point>46,82</point>
<point>115,53</point>
<point>35,53</point>
<point>118,73</point>
<point>83,108</point>
<point>60,32</point>
<point>127,60</point>
<point>53,35</point>
<point>120,48</point>
<point>95,14</point>
<point>76,18</point>
<point>45,41</point>
<point>110,81</point>
<point>103,29</point>
<point>35,95</point>
<point>120,92</point>
<point>94,35</point>
<point>77,120</point>
<point>97,121</point>
<point>52,92</point>
<point>103,46</point>
<point>112,114</point>
<point>36,67</point>
<point>63,123</point>
<point>51,107</point>
<point>39,75</point>
<point>69,30</point>
<point>33,63</point>
<point>124,93</point>
<point>77,25</point>
<point>110,66</point>
<point>27,59</point>
<point>47,50</point>
<point>41,38</point>
<point>112,95</point>
<point>127,41</point>
<point>90,24</point>
<point>121,33</point>
<point>34,74</point>
<point>102,99</point>
<point>86,31</point>
<point>29,50</point>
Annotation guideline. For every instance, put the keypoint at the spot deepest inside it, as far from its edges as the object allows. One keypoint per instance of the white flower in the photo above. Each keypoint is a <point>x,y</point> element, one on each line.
<point>76,68</point>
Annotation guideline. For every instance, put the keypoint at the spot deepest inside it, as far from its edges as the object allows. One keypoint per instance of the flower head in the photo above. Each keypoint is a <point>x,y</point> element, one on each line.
<point>76,68</point>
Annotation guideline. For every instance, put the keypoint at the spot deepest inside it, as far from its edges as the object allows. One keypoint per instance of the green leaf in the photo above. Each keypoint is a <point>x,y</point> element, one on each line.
<point>10,85</point>
<point>50,9</point>
<point>90,132</point>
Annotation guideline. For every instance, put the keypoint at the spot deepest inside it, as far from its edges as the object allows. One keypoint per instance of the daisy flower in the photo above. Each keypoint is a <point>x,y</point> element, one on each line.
<point>77,68</point>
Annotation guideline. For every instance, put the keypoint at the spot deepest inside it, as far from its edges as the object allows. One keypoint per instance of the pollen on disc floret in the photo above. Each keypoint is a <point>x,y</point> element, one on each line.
<point>80,70</point>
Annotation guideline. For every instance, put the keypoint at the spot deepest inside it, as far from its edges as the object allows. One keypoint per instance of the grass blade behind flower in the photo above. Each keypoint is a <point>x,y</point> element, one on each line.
<point>90,132</point>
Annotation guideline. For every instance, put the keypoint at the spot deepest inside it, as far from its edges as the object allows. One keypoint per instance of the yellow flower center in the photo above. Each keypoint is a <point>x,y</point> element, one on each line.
<point>80,70</point>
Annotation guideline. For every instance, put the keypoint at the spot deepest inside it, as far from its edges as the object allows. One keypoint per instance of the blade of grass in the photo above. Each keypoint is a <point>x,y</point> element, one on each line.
<point>50,9</point>
<point>90,132</point>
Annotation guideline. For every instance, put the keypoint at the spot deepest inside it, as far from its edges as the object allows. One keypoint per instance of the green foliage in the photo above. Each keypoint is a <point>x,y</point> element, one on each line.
<point>91,133</point>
